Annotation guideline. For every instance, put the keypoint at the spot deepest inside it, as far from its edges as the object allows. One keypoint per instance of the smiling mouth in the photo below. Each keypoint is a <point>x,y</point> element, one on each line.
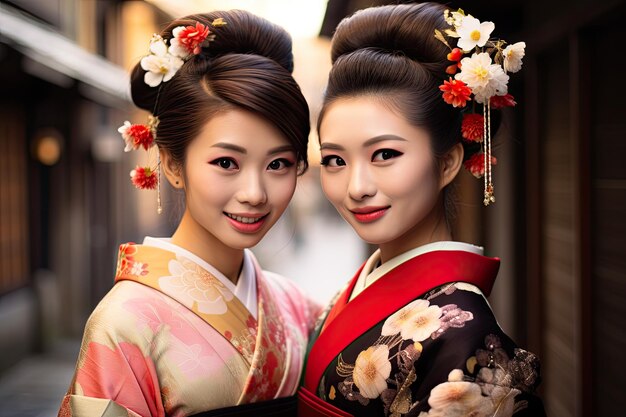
<point>369,214</point>
<point>246,220</point>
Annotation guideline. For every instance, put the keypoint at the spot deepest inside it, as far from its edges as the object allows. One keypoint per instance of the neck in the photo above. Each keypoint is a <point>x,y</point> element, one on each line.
<point>196,239</point>
<point>433,228</point>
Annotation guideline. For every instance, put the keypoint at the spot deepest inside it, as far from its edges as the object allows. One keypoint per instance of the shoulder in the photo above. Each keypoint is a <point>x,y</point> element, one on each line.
<point>470,351</point>
<point>464,301</point>
<point>120,315</point>
<point>470,339</point>
<point>467,325</point>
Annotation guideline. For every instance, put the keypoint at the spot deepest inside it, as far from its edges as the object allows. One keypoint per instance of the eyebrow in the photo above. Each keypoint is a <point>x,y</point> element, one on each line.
<point>230,146</point>
<point>237,148</point>
<point>280,149</point>
<point>369,142</point>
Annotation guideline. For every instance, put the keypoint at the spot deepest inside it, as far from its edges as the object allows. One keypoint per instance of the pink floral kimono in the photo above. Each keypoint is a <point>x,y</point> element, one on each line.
<point>170,339</point>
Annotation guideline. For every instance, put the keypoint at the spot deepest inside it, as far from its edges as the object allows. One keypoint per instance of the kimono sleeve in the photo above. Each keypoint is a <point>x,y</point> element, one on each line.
<point>473,366</point>
<point>114,375</point>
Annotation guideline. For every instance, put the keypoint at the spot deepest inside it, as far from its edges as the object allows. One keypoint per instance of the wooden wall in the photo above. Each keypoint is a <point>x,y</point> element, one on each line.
<point>575,124</point>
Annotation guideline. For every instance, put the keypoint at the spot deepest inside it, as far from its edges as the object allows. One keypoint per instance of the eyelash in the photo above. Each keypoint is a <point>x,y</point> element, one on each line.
<point>287,163</point>
<point>394,154</point>
<point>219,162</point>
<point>327,160</point>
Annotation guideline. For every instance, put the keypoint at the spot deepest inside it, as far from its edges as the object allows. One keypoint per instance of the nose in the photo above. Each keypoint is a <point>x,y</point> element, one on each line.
<point>252,189</point>
<point>361,183</point>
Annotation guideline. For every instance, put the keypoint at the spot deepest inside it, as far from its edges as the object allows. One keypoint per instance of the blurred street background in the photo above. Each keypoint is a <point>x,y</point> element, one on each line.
<point>66,202</point>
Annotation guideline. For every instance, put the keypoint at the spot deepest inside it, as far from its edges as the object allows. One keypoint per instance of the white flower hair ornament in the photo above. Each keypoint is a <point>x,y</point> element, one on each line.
<point>484,65</point>
<point>161,64</point>
<point>164,61</point>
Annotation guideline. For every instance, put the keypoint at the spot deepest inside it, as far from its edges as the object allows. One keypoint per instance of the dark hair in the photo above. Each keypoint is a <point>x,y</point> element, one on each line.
<point>391,53</point>
<point>247,66</point>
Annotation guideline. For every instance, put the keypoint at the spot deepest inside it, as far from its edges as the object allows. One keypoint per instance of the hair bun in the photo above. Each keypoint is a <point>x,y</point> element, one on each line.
<point>246,33</point>
<point>406,28</point>
<point>243,33</point>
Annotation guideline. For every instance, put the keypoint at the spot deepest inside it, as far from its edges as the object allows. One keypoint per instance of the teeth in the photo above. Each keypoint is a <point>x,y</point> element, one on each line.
<point>244,219</point>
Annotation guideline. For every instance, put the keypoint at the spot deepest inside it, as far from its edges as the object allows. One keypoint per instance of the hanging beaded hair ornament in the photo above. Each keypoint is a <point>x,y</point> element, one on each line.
<point>161,64</point>
<point>483,77</point>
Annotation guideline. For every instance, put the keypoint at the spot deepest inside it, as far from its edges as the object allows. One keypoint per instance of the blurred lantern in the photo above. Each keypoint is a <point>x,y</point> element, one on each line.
<point>47,146</point>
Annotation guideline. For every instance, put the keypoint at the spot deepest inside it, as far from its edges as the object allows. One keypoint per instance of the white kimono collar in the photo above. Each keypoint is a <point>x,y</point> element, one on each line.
<point>370,273</point>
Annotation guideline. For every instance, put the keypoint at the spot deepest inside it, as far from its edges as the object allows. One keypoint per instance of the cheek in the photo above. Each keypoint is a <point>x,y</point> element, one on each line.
<point>282,188</point>
<point>209,188</point>
<point>416,180</point>
<point>332,185</point>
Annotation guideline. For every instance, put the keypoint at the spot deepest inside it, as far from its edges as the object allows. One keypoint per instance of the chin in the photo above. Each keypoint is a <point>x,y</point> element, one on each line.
<point>380,235</point>
<point>244,243</point>
<point>373,237</point>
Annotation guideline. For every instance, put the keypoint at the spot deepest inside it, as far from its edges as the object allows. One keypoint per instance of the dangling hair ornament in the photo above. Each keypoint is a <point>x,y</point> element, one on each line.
<point>483,77</point>
<point>161,64</point>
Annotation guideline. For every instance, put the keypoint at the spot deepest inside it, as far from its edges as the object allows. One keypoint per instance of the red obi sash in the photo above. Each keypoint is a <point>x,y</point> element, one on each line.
<point>403,284</point>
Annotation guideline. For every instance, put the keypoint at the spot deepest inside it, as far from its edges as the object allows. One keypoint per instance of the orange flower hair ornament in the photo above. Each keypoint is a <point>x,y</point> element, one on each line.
<point>161,64</point>
<point>478,72</point>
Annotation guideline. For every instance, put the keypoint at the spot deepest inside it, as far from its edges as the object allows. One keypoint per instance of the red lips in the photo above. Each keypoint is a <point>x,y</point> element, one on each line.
<point>249,225</point>
<point>369,214</point>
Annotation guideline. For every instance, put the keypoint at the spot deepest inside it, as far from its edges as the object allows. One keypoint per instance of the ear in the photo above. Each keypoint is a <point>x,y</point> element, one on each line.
<point>450,165</point>
<point>172,171</point>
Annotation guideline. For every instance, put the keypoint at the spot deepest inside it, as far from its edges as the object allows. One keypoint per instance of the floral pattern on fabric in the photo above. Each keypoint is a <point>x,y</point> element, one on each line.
<point>398,366</point>
<point>499,380</point>
<point>268,366</point>
<point>245,340</point>
<point>125,355</point>
<point>147,352</point>
<point>194,286</point>
<point>126,263</point>
<point>188,350</point>
<point>370,377</point>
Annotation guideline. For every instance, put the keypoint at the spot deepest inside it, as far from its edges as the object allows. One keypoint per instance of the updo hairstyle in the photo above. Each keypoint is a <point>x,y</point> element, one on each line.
<point>391,53</point>
<point>247,66</point>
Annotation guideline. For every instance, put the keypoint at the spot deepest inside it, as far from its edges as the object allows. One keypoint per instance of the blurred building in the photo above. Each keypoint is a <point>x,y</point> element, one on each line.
<point>64,198</point>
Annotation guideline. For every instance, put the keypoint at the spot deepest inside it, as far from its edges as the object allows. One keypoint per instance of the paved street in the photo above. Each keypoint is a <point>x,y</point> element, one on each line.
<point>35,386</point>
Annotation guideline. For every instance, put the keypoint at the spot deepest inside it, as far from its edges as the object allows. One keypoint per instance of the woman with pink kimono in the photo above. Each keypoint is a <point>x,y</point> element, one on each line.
<point>193,325</point>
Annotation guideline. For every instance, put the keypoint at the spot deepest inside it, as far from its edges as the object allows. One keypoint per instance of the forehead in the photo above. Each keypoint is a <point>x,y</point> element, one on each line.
<point>242,127</point>
<point>364,117</point>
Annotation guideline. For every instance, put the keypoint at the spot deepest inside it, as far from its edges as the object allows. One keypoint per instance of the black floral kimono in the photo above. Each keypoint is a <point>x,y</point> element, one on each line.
<point>420,341</point>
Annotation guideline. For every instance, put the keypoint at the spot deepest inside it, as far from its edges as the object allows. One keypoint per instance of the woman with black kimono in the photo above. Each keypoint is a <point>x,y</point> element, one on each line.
<point>412,334</point>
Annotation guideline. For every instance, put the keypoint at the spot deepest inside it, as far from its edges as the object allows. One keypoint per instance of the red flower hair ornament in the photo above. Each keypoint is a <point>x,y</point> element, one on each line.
<point>144,178</point>
<point>476,164</point>
<point>161,64</point>
<point>478,72</point>
<point>455,92</point>
<point>472,127</point>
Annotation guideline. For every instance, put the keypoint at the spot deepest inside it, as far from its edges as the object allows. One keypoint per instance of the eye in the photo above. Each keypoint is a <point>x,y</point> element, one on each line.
<point>385,154</point>
<point>332,161</point>
<point>278,164</point>
<point>225,163</point>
